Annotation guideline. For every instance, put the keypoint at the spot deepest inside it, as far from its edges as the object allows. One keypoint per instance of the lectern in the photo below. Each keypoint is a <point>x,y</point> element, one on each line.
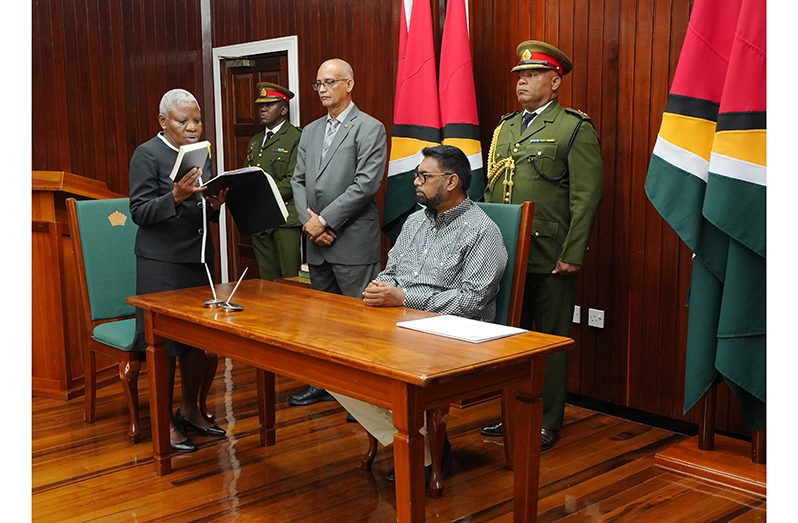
<point>58,331</point>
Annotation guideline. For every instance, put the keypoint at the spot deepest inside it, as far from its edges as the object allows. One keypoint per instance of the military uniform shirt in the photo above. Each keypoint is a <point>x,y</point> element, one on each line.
<point>451,263</point>
<point>277,156</point>
<point>566,191</point>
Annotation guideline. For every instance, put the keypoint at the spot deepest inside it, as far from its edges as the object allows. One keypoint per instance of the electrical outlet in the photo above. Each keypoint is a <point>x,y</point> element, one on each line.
<point>595,318</point>
<point>577,314</point>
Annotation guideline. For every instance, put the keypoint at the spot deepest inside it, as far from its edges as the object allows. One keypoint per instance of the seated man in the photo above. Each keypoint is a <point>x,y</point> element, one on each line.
<point>449,258</point>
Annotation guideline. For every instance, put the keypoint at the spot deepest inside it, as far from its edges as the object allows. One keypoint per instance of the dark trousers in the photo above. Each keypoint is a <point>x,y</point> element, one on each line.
<point>548,308</point>
<point>349,280</point>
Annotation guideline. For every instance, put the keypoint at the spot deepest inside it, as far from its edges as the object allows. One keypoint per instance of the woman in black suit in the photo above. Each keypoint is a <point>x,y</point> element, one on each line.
<point>172,219</point>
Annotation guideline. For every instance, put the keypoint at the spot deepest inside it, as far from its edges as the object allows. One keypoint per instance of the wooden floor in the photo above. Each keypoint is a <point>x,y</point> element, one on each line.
<point>602,470</point>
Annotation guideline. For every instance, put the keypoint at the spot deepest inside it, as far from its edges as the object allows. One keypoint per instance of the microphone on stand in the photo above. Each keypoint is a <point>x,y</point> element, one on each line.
<point>234,307</point>
<point>215,301</point>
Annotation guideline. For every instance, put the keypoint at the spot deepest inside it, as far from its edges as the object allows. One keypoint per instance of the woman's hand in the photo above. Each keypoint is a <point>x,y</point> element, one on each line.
<point>217,199</point>
<point>186,186</point>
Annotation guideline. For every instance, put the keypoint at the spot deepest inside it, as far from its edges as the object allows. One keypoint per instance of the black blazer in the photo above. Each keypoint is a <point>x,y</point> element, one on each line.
<point>166,232</point>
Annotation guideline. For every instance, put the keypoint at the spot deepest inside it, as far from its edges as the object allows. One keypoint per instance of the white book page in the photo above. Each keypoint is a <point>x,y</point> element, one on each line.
<point>473,331</point>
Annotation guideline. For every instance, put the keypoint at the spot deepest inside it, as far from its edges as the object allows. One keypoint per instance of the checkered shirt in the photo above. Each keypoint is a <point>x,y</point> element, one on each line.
<point>451,263</point>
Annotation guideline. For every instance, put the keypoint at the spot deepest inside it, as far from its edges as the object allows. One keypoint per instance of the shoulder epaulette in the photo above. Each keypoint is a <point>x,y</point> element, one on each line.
<point>508,115</point>
<point>578,113</point>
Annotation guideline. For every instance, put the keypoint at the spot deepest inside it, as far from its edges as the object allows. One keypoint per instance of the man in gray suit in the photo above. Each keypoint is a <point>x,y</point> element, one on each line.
<point>339,168</point>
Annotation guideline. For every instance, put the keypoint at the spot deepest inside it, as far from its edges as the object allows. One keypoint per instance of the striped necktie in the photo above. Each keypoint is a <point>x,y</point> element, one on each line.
<point>332,128</point>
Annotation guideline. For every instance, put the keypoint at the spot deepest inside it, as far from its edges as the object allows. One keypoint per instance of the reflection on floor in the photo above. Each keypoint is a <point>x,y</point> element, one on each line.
<point>601,470</point>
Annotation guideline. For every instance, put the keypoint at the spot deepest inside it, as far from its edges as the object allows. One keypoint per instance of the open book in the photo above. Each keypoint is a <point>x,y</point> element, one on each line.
<point>190,156</point>
<point>459,328</point>
<point>253,198</point>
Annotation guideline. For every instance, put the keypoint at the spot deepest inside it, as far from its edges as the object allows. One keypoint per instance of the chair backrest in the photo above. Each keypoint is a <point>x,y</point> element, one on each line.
<point>515,223</point>
<point>104,236</point>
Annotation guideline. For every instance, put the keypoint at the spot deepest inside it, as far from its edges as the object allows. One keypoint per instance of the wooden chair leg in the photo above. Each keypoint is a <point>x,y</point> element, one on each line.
<point>368,457</point>
<point>207,381</point>
<point>89,386</point>
<point>508,430</point>
<point>129,376</point>
<point>436,435</point>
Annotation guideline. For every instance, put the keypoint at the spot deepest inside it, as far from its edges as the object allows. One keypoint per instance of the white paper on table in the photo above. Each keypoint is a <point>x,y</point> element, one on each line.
<point>459,328</point>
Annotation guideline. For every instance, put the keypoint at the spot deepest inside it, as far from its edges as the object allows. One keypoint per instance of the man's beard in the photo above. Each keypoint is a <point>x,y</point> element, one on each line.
<point>432,202</point>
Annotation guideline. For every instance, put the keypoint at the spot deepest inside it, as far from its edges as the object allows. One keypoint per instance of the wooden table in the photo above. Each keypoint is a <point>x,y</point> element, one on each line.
<point>340,344</point>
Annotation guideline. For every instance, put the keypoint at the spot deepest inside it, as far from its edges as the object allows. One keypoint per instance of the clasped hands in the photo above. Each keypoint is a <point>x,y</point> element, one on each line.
<point>187,185</point>
<point>566,269</point>
<point>383,294</point>
<point>318,233</point>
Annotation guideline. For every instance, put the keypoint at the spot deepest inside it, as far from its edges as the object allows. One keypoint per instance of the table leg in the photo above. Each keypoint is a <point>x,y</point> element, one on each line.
<point>160,410</point>
<point>408,454</point>
<point>436,435</point>
<point>526,413</point>
<point>266,408</point>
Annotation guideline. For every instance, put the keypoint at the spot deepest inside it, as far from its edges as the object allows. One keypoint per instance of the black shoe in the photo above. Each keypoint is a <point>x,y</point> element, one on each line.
<point>183,424</point>
<point>493,430</point>
<point>391,475</point>
<point>548,438</point>
<point>447,451</point>
<point>184,446</point>
<point>309,396</point>
<point>350,418</point>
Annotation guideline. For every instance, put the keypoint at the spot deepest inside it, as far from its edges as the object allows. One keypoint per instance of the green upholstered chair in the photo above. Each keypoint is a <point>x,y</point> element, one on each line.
<point>515,223</point>
<point>103,237</point>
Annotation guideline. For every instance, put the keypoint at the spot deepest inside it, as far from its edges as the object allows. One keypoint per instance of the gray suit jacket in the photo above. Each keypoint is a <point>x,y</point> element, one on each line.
<point>342,188</point>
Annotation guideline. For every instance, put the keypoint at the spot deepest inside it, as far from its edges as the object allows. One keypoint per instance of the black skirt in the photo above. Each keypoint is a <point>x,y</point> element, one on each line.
<point>157,276</point>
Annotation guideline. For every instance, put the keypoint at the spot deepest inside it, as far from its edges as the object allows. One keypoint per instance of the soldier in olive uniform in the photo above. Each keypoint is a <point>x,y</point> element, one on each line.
<point>274,150</point>
<point>548,154</point>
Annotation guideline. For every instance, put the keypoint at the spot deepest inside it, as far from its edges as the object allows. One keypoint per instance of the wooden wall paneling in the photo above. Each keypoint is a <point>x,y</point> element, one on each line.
<point>95,58</point>
<point>75,85</point>
<point>209,117</point>
<point>583,81</point>
<point>118,153</point>
<point>601,265</point>
<point>637,72</point>
<point>652,224</point>
<point>535,25</point>
<point>50,124</point>
<point>668,306</point>
<point>624,141</point>
<point>615,222</point>
<point>586,96</point>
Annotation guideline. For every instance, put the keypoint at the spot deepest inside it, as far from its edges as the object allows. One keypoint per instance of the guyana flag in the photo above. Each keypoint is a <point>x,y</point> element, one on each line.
<point>457,96</point>
<point>707,180</point>
<point>416,115</point>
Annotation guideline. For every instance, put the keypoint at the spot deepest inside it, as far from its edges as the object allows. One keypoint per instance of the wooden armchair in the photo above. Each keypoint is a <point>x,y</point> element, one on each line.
<point>515,223</point>
<point>103,238</point>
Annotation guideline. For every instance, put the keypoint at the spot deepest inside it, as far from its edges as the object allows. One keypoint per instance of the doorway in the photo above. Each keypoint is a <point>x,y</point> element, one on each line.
<point>236,70</point>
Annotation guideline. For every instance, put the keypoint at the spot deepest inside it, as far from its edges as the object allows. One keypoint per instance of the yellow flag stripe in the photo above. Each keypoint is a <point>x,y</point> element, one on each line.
<point>405,147</point>
<point>467,145</point>
<point>695,135</point>
<point>749,145</point>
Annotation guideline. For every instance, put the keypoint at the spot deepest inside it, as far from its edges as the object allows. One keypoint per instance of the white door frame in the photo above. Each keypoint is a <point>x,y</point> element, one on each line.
<point>290,44</point>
